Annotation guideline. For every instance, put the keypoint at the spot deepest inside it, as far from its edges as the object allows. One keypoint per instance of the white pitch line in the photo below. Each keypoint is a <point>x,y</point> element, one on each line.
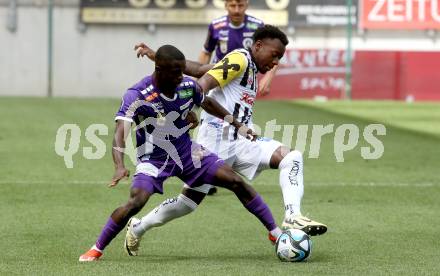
<point>55,181</point>
<point>375,184</point>
<point>258,183</point>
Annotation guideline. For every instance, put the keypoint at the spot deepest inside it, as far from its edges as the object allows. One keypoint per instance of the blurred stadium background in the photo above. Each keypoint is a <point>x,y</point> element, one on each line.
<point>84,47</point>
<point>382,214</point>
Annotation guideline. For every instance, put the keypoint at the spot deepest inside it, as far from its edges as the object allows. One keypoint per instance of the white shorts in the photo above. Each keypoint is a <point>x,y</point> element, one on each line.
<point>244,156</point>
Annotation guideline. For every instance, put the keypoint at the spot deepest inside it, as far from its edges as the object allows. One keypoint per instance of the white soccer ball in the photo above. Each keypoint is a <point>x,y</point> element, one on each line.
<point>293,245</point>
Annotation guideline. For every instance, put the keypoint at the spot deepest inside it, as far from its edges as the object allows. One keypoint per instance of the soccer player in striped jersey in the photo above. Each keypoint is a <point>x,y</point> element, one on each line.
<point>233,31</point>
<point>230,32</point>
<point>235,78</point>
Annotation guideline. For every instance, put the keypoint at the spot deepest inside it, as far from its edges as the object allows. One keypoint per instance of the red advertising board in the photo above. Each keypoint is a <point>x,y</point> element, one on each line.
<point>399,14</point>
<point>396,75</point>
<point>311,72</point>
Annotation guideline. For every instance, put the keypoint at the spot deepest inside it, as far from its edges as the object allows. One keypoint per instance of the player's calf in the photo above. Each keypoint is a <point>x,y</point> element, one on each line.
<point>250,199</point>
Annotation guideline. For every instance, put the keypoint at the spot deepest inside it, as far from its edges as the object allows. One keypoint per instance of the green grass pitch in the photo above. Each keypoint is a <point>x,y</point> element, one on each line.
<point>383,215</point>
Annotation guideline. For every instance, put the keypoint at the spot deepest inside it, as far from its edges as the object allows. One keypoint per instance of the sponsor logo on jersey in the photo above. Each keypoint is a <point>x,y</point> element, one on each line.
<point>223,33</point>
<point>248,34</point>
<point>151,97</point>
<point>219,25</point>
<point>247,98</point>
<point>184,94</point>
<point>215,125</point>
<point>252,26</point>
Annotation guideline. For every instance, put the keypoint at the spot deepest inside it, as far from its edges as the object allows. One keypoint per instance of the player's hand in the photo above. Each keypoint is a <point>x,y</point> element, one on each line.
<point>143,50</point>
<point>248,133</point>
<point>120,173</point>
<point>192,120</point>
<point>264,87</point>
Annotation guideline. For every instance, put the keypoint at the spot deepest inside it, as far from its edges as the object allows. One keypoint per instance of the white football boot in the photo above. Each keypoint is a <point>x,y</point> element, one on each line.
<point>131,243</point>
<point>305,224</point>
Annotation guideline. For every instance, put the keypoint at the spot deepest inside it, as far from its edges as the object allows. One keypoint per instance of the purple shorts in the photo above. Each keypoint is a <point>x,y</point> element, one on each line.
<point>199,167</point>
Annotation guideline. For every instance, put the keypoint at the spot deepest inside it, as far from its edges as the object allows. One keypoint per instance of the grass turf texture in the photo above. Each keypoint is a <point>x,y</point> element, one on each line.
<point>382,214</point>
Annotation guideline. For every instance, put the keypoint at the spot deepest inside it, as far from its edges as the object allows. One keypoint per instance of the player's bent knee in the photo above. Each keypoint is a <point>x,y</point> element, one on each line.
<point>296,154</point>
<point>293,156</point>
<point>134,205</point>
<point>236,183</point>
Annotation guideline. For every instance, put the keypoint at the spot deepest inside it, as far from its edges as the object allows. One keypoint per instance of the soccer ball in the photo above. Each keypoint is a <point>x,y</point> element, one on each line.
<point>293,245</point>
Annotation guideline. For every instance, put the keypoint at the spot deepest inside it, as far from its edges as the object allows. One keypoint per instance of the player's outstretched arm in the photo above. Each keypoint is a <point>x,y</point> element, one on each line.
<point>195,69</point>
<point>143,50</point>
<point>192,68</point>
<point>121,133</point>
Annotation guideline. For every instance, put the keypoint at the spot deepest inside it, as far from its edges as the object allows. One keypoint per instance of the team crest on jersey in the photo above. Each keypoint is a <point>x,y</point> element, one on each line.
<point>247,42</point>
<point>184,94</point>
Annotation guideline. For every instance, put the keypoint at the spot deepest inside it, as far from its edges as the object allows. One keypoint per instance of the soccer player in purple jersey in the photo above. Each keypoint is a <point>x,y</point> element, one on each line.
<point>229,32</point>
<point>158,105</point>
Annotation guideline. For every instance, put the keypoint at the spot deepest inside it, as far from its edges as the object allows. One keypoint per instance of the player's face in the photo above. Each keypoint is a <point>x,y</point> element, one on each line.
<point>169,74</point>
<point>267,53</point>
<point>236,10</point>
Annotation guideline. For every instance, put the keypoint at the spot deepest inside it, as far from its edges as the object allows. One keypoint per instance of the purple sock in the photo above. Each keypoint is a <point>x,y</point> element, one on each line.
<point>257,207</point>
<point>110,230</point>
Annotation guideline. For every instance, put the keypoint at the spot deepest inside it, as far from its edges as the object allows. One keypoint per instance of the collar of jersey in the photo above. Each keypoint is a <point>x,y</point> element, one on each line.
<point>168,99</point>
<point>161,94</point>
<point>232,26</point>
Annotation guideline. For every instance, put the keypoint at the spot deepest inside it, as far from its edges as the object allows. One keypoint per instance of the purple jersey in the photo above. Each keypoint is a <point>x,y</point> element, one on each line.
<point>223,37</point>
<point>161,128</point>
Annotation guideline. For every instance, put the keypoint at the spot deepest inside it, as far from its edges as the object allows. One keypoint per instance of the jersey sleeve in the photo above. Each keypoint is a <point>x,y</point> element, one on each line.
<point>229,68</point>
<point>211,41</point>
<point>198,95</point>
<point>127,110</point>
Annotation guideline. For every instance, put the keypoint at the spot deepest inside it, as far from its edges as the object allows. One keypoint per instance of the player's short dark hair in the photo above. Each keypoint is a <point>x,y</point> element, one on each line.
<point>169,52</point>
<point>272,32</point>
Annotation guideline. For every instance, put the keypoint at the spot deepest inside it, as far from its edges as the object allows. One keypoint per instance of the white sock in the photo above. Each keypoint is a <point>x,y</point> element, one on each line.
<point>96,248</point>
<point>168,210</point>
<point>276,232</point>
<point>292,182</point>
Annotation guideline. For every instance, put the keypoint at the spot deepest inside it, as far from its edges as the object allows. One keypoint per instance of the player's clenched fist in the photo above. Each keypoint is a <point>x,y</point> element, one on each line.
<point>120,173</point>
<point>192,120</point>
